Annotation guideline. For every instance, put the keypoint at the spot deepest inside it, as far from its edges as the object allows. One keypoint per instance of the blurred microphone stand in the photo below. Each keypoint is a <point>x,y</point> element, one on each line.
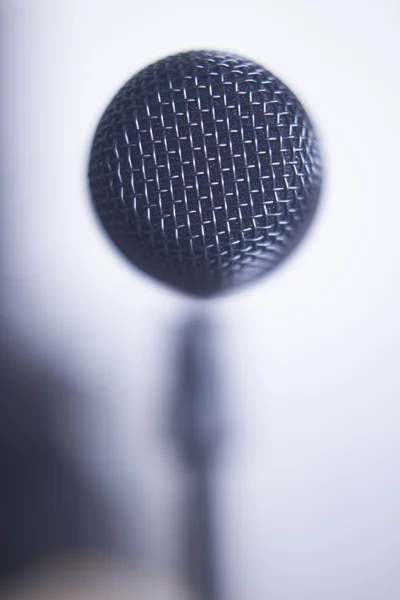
<point>197,431</point>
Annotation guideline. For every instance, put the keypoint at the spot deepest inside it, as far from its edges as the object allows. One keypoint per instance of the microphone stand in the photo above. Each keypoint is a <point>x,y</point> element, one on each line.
<point>197,432</point>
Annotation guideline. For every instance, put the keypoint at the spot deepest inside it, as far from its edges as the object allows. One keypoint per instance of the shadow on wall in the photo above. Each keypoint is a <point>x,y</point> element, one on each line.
<point>47,508</point>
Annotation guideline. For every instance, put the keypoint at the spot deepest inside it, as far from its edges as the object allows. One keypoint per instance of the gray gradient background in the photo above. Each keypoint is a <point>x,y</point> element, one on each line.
<point>309,481</point>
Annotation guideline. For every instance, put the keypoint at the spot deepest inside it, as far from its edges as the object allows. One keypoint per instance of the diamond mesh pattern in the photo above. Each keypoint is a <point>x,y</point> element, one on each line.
<point>205,170</point>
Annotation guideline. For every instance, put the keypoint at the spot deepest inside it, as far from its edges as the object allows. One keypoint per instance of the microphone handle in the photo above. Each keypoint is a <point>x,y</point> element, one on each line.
<point>197,431</point>
<point>200,532</point>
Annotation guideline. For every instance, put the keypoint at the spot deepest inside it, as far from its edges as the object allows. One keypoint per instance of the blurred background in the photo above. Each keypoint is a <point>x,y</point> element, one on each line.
<point>308,485</point>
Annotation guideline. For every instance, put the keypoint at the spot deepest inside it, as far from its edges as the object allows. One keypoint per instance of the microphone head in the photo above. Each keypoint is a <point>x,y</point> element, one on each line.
<point>205,171</point>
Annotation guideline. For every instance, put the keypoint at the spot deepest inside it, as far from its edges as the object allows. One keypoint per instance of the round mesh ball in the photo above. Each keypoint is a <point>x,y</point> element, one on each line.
<point>205,171</point>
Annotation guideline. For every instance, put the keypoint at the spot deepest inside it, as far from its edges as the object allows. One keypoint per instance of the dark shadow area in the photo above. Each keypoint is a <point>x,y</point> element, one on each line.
<point>47,507</point>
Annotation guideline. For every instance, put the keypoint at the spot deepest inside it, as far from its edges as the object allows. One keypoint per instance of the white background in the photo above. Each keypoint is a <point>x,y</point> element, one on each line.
<point>309,482</point>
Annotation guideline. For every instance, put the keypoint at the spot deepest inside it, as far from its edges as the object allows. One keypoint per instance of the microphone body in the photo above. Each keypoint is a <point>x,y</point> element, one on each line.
<point>205,171</point>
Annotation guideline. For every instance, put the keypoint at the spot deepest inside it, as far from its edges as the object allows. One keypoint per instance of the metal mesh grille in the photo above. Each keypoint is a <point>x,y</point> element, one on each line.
<point>205,170</point>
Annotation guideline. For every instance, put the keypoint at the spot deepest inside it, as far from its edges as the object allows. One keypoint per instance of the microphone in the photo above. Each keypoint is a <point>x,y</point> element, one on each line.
<point>205,171</point>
